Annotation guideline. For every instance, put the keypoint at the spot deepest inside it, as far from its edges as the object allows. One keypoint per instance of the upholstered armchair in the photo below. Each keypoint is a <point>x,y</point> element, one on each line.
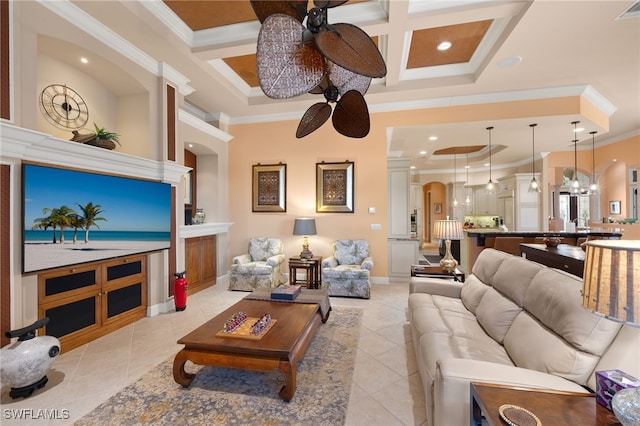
<point>261,267</point>
<point>346,271</point>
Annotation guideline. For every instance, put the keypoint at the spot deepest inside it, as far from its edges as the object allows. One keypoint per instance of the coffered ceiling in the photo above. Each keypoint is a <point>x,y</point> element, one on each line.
<point>527,51</point>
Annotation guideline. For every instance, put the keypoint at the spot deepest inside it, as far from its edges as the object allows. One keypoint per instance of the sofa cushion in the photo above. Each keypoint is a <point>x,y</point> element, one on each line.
<point>253,268</point>
<point>555,299</point>
<point>496,314</point>
<point>472,291</point>
<point>346,272</point>
<point>532,345</point>
<point>351,252</point>
<point>487,264</point>
<point>263,248</point>
<point>514,277</point>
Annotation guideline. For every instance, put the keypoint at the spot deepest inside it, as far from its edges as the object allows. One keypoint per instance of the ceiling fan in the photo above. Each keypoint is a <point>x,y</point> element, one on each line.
<point>335,60</point>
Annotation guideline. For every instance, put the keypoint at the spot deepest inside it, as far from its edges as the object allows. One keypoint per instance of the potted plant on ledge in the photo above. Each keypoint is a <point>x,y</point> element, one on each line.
<point>105,139</point>
<point>100,138</point>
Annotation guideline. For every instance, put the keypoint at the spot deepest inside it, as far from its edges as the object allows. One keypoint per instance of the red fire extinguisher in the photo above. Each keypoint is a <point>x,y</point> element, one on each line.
<point>180,287</point>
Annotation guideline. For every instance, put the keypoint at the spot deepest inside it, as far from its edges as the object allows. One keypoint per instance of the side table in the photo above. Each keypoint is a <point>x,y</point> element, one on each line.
<point>436,272</point>
<point>312,270</point>
<point>551,407</point>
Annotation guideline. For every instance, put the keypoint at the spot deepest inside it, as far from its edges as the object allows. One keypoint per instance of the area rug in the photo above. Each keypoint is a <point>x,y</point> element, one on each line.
<point>222,396</point>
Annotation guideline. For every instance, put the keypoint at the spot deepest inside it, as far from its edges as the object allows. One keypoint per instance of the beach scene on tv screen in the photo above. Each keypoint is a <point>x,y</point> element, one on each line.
<point>72,217</point>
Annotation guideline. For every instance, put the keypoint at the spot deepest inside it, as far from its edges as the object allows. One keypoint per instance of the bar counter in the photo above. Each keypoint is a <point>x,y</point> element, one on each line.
<point>477,240</point>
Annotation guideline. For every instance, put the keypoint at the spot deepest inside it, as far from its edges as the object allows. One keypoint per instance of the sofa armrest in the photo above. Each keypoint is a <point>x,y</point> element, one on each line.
<point>243,258</point>
<point>275,260</point>
<point>367,263</point>
<point>451,388</point>
<point>329,262</point>
<point>439,286</point>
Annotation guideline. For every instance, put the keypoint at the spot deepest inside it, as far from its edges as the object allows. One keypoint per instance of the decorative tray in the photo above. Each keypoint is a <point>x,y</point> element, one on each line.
<point>518,416</point>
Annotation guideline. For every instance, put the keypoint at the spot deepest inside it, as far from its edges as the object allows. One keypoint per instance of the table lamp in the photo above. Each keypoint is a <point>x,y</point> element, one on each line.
<point>448,230</point>
<point>305,226</point>
<point>611,287</point>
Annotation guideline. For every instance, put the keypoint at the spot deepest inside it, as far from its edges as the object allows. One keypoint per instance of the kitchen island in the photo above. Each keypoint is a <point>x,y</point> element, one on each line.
<point>477,240</point>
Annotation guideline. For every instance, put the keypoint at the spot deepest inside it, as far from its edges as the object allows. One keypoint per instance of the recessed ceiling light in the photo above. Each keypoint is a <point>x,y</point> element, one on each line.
<point>445,45</point>
<point>486,164</point>
<point>509,62</point>
<point>190,145</point>
<point>579,129</point>
<point>433,138</point>
<point>467,167</point>
<point>413,167</point>
<point>423,152</point>
<point>84,60</point>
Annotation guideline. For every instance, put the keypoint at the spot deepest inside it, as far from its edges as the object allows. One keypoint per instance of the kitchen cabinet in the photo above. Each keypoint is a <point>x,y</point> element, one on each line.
<point>484,202</point>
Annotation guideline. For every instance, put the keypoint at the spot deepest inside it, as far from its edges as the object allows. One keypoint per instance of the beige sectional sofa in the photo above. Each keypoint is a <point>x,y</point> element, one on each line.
<point>513,322</point>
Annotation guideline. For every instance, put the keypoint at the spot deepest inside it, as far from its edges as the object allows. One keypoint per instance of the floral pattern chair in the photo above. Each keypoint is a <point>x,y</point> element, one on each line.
<point>346,271</point>
<point>260,267</point>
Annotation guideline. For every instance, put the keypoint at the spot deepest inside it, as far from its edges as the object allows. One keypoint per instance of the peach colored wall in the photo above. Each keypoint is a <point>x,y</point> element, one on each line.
<point>612,164</point>
<point>272,143</point>
<point>615,189</point>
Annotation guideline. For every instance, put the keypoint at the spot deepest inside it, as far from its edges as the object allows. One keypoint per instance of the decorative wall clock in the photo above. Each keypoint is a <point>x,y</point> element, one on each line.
<point>63,107</point>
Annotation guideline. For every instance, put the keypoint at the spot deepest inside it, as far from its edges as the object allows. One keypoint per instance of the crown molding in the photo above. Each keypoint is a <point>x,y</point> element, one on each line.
<point>197,123</point>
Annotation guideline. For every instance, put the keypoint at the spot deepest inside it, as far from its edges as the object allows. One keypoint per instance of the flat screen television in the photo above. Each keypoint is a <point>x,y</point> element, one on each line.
<point>72,217</point>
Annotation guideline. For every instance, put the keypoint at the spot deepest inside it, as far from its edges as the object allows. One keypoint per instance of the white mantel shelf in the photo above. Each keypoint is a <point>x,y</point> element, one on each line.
<point>190,231</point>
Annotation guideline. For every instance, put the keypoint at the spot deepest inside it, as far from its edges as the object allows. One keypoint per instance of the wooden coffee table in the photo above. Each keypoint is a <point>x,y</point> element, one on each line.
<point>282,347</point>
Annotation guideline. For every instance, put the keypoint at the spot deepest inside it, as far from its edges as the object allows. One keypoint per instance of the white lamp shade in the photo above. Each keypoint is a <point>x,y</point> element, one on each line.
<point>447,230</point>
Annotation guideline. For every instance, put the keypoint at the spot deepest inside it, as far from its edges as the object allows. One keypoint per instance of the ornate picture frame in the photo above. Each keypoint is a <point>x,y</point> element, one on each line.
<point>269,188</point>
<point>334,187</point>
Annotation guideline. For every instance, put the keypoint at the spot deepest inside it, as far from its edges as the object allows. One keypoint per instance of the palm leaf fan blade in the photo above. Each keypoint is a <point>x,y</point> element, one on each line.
<point>297,9</point>
<point>346,80</point>
<point>286,68</point>
<point>328,3</point>
<point>316,116</point>
<point>351,48</point>
<point>351,115</point>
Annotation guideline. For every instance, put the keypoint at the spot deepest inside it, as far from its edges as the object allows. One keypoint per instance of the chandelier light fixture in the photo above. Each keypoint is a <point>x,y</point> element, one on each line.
<point>593,188</point>
<point>455,198</point>
<point>575,183</point>
<point>534,186</point>
<point>490,185</point>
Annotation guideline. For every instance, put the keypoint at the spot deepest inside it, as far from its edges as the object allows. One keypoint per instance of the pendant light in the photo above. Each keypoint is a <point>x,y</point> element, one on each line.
<point>467,197</point>
<point>455,198</point>
<point>534,186</point>
<point>575,183</point>
<point>490,185</point>
<point>593,188</point>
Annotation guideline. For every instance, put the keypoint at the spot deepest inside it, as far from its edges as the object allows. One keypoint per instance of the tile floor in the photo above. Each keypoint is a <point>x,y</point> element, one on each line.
<point>386,386</point>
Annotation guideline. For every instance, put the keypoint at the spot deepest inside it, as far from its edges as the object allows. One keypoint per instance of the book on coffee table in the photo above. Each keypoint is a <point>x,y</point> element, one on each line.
<point>286,292</point>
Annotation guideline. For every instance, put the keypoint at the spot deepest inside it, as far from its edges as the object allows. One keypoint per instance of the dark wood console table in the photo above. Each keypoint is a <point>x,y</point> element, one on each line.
<point>552,407</point>
<point>565,257</point>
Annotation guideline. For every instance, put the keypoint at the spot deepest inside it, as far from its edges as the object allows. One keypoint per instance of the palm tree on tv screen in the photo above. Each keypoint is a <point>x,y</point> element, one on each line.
<point>91,213</point>
<point>77,222</point>
<point>57,218</point>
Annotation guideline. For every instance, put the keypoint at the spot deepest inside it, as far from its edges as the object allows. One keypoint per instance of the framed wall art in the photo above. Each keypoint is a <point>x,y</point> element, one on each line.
<point>437,208</point>
<point>334,187</point>
<point>614,207</point>
<point>269,188</point>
